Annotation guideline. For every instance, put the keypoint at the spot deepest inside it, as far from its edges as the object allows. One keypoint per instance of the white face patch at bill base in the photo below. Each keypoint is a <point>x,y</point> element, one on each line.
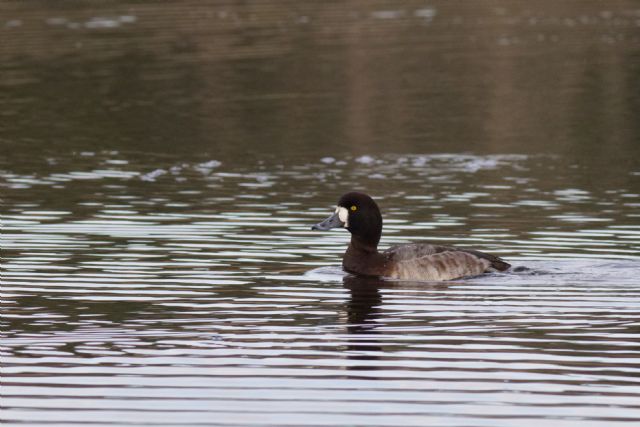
<point>343,214</point>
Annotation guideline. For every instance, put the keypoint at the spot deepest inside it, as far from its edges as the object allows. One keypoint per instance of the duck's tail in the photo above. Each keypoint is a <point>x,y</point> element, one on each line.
<point>499,264</point>
<point>496,263</point>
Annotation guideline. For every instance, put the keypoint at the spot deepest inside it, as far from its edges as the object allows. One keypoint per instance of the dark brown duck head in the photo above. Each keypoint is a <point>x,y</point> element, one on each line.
<point>358,213</point>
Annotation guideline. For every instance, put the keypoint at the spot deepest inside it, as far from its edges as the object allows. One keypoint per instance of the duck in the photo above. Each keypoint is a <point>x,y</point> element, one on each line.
<point>359,214</point>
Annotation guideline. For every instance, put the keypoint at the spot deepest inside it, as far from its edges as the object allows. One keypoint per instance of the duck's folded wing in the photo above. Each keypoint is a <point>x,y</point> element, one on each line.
<point>415,250</point>
<point>440,266</point>
<point>433,262</point>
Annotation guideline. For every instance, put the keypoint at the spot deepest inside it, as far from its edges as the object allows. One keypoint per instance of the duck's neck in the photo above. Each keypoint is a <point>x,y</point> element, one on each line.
<point>363,246</point>
<point>362,257</point>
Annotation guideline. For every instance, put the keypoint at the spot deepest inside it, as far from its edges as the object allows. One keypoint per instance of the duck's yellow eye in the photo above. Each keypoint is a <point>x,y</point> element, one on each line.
<point>353,208</point>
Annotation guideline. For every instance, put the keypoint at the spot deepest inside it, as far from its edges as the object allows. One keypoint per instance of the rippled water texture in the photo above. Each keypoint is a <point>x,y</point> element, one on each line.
<point>162,164</point>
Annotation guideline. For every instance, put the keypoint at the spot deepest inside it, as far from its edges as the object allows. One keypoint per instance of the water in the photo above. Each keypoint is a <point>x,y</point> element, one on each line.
<point>162,165</point>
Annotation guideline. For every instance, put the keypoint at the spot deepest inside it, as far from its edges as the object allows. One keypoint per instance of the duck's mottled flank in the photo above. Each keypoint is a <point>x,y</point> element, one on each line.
<point>440,266</point>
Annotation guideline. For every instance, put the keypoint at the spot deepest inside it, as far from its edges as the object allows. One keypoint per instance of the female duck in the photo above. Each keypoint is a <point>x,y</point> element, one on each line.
<point>358,213</point>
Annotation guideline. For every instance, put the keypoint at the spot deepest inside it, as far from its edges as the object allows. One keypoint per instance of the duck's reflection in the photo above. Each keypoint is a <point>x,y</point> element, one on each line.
<point>363,316</point>
<point>363,309</point>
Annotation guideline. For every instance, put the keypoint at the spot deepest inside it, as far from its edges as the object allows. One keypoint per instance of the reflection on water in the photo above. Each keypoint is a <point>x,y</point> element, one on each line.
<point>162,165</point>
<point>362,310</point>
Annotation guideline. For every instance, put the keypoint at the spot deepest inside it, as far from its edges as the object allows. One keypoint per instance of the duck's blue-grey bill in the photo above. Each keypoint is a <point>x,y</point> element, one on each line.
<point>332,222</point>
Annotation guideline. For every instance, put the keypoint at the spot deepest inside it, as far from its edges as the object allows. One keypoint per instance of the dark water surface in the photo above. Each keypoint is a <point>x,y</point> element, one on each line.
<point>161,164</point>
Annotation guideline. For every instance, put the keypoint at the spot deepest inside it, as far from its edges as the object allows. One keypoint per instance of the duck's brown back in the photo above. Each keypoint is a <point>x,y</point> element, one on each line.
<point>421,261</point>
